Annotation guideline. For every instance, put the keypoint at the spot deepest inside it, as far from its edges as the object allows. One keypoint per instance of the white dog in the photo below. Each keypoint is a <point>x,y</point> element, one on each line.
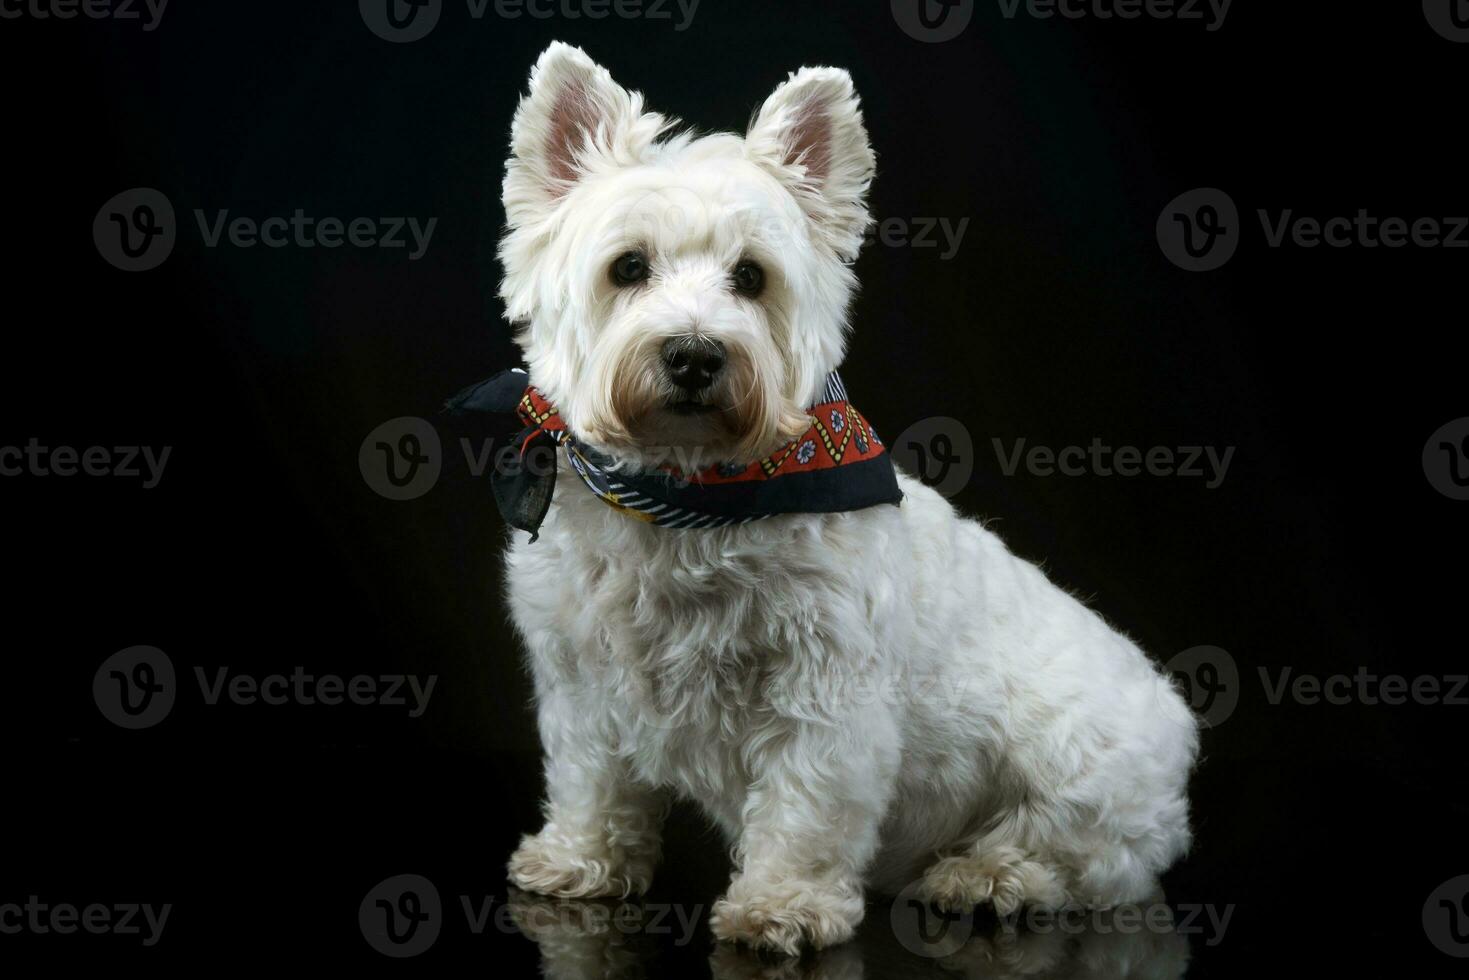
<point>881,696</point>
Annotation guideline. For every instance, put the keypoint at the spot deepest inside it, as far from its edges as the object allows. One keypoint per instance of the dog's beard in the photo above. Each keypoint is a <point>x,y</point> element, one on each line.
<point>633,412</point>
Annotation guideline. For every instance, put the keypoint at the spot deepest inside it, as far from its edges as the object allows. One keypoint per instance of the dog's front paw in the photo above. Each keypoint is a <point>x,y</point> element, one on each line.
<point>787,915</point>
<point>551,863</point>
<point>1004,878</point>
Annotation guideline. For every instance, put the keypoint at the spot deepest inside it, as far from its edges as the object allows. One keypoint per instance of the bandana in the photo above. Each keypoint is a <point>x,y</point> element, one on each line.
<point>838,464</point>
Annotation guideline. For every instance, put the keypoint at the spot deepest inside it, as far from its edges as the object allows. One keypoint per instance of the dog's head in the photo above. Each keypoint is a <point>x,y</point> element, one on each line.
<point>681,299</point>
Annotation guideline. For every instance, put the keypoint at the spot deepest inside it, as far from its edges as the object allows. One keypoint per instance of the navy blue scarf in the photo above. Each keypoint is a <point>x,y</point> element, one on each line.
<point>838,464</point>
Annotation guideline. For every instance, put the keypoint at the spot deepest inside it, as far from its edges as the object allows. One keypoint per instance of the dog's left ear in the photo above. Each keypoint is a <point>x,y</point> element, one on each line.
<point>809,133</point>
<point>574,121</point>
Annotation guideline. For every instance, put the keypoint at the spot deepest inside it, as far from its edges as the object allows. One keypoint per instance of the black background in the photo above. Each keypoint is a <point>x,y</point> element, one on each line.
<point>1059,320</point>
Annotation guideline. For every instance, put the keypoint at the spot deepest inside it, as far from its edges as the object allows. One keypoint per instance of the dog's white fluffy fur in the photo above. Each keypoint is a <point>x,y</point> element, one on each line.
<point>882,699</point>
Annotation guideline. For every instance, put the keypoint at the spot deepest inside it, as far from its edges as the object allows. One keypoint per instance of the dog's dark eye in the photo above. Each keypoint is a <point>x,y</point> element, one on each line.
<point>749,278</point>
<point>630,269</point>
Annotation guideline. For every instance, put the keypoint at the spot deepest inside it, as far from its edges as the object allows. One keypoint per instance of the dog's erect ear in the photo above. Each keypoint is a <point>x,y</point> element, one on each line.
<point>810,134</point>
<point>575,120</point>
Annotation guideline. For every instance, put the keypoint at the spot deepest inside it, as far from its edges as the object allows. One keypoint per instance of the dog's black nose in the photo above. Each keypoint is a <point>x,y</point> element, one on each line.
<point>693,362</point>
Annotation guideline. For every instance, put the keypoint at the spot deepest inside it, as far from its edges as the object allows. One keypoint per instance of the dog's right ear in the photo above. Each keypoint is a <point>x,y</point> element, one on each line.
<point>575,121</point>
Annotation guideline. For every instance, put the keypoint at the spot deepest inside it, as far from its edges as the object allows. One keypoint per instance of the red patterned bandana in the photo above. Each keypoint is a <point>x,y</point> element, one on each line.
<point>838,464</point>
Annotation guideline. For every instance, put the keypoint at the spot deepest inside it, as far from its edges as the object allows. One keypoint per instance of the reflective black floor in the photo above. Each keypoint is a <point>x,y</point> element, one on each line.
<point>271,853</point>
<point>583,941</point>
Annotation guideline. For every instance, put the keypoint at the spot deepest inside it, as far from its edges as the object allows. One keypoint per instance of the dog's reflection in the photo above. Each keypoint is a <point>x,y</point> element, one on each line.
<point>610,940</point>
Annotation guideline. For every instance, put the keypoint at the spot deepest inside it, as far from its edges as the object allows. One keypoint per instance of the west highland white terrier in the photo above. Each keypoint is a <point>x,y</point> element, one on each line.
<point>735,599</point>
